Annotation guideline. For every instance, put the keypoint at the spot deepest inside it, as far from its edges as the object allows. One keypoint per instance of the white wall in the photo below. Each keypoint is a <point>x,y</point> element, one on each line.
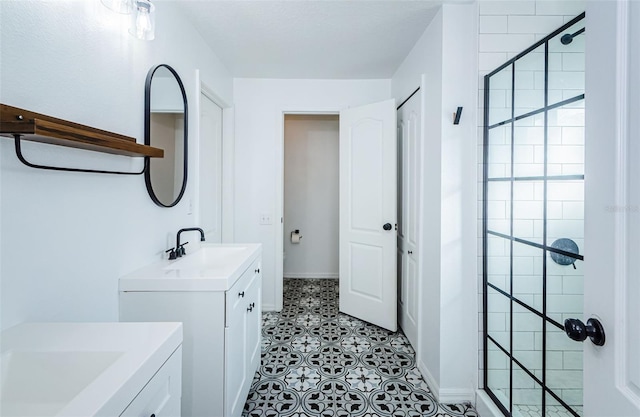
<point>67,237</point>
<point>447,56</point>
<point>260,105</point>
<point>311,190</point>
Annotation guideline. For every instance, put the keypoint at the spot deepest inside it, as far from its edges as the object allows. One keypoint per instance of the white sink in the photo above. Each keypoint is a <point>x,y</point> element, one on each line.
<point>40,383</point>
<point>208,257</point>
<point>80,369</point>
<point>213,267</point>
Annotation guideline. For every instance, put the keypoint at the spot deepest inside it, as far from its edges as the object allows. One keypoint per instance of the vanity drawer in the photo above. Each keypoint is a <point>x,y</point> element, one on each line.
<point>161,396</point>
<point>238,297</point>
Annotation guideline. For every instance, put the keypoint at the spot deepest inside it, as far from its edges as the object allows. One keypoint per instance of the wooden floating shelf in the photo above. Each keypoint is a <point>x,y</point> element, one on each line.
<point>37,127</point>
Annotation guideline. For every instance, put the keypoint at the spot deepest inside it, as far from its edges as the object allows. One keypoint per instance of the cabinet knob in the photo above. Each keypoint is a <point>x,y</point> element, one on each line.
<point>250,308</point>
<point>257,271</point>
<point>241,294</point>
<point>152,415</point>
<point>410,252</point>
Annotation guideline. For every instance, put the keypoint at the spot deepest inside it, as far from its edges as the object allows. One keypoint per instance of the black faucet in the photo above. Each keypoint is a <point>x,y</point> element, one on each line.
<point>180,247</point>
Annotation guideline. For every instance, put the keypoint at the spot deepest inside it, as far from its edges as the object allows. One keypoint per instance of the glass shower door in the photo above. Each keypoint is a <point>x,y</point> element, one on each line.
<point>533,232</point>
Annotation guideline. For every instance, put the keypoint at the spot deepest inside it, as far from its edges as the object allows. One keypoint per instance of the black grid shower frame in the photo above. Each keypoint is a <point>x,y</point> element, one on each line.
<point>486,232</point>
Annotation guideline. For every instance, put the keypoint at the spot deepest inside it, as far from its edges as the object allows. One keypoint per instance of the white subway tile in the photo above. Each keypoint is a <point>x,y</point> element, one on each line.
<point>527,284</point>
<point>554,8</point>
<point>565,191</point>
<point>559,80</point>
<point>531,359</point>
<point>527,210</point>
<point>488,61</point>
<point>572,360</point>
<point>564,379</point>
<point>559,341</point>
<point>555,360</point>
<point>573,397</point>
<point>504,42</point>
<point>523,191</point>
<point>534,24</point>
<point>573,169</point>
<point>565,154</point>
<point>529,135</point>
<point>554,210</point>
<point>573,135</point>
<point>507,7</point>
<point>493,24</point>
<point>526,397</point>
<point>572,61</point>
<point>573,210</point>
<point>521,379</point>
<point>572,284</point>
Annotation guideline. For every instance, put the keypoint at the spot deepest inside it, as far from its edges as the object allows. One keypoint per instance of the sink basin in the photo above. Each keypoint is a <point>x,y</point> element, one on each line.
<point>213,267</point>
<point>80,369</point>
<point>208,257</point>
<point>39,383</point>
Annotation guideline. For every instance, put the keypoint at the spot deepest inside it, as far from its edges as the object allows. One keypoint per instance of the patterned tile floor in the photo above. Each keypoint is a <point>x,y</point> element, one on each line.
<point>319,362</point>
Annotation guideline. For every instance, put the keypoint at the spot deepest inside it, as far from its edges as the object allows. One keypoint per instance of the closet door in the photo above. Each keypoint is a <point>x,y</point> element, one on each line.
<point>409,127</point>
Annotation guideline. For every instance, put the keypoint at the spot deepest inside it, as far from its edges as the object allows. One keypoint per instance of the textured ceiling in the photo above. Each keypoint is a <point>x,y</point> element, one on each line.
<point>345,39</point>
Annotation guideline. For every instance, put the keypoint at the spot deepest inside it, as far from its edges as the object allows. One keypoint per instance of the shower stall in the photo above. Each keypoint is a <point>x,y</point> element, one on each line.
<point>533,232</point>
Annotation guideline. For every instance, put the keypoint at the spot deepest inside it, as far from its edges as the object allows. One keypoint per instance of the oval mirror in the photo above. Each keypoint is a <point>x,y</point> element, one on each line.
<point>165,127</point>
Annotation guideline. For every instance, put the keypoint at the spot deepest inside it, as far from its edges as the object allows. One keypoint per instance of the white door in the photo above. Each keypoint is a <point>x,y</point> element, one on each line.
<point>210,178</point>
<point>612,208</point>
<point>408,159</point>
<point>368,213</point>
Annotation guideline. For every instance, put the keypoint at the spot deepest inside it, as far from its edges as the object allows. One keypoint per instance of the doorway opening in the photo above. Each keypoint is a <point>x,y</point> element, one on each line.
<point>533,226</point>
<point>311,196</point>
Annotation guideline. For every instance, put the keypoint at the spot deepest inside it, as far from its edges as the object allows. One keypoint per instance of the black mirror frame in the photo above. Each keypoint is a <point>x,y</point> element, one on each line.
<point>147,134</point>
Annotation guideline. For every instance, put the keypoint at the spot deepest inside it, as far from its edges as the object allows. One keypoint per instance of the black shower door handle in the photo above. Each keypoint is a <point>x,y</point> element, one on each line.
<point>578,331</point>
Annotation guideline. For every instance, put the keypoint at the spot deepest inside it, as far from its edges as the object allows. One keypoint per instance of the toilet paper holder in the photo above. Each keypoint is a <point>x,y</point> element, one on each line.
<point>296,236</point>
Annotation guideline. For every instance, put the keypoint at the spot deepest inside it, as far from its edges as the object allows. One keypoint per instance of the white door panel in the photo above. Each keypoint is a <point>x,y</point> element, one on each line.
<point>612,208</point>
<point>409,144</point>
<point>367,202</point>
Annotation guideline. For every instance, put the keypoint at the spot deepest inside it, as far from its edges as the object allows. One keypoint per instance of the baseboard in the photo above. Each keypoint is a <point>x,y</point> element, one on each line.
<point>446,395</point>
<point>456,396</point>
<point>485,406</point>
<point>311,275</point>
<point>268,307</point>
<point>429,379</point>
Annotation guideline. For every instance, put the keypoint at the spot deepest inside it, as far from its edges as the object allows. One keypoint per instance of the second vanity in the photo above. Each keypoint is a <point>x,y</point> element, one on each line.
<point>216,293</point>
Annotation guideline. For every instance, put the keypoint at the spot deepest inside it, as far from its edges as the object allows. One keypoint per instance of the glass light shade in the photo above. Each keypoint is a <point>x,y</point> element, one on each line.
<point>119,6</point>
<point>143,20</point>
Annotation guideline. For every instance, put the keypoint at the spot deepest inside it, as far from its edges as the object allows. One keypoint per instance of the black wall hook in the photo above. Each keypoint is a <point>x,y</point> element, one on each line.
<point>456,116</point>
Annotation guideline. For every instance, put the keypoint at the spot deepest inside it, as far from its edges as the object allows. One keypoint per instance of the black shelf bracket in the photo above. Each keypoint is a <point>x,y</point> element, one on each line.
<point>22,159</point>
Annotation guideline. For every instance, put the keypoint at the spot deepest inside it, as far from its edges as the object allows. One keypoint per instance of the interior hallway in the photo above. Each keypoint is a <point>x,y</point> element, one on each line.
<point>319,362</point>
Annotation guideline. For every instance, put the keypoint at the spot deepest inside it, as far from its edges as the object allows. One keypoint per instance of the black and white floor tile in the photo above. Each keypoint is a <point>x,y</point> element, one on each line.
<point>319,362</point>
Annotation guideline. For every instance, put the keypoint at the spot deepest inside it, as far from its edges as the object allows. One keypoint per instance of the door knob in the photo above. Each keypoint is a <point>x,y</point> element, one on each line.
<point>387,226</point>
<point>578,331</point>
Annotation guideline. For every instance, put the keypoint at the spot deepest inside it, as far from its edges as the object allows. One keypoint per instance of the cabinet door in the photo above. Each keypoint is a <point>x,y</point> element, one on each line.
<point>161,396</point>
<point>254,322</point>
<point>236,366</point>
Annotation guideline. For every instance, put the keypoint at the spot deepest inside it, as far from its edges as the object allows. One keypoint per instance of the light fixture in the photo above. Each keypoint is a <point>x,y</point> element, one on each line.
<point>119,6</point>
<point>143,20</point>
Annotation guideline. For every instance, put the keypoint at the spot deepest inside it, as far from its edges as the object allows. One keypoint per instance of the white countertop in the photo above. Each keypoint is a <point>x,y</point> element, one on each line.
<point>213,267</point>
<point>80,369</point>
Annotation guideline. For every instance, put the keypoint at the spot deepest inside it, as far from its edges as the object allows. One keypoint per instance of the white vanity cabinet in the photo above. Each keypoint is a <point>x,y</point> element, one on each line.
<point>221,325</point>
<point>160,397</point>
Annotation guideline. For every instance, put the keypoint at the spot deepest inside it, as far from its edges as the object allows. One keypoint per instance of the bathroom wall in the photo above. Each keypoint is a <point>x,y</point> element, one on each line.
<point>260,105</point>
<point>311,189</point>
<point>505,29</point>
<point>444,63</point>
<point>67,237</point>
